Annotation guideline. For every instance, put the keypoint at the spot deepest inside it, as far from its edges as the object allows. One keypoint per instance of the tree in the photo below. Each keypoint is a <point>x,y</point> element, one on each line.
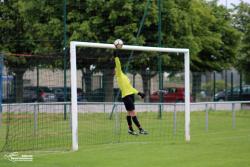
<point>204,28</point>
<point>105,21</point>
<point>241,18</point>
<point>31,27</point>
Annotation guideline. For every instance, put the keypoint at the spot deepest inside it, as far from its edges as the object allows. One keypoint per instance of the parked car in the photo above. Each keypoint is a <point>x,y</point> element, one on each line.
<point>59,92</point>
<point>8,99</point>
<point>43,94</point>
<point>234,94</point>
<point>98,95</point>
<point>169,95</point>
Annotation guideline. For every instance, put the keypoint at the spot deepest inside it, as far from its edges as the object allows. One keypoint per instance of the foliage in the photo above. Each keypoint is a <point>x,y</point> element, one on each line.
<point>245,51</point>
<point>104,21</point>
<point>203,27</point>
<point>242,23</point>
<point>33,35</point>
<point>32,27</point>
<point>219,85</point>
<point>37,28</point>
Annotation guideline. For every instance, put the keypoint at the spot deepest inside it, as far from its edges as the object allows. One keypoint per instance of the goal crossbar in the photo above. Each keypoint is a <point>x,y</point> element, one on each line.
<point>73,67</point>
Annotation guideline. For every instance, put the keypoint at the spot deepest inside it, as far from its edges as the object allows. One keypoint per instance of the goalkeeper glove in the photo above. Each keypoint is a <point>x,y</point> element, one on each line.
<point>141,94</point>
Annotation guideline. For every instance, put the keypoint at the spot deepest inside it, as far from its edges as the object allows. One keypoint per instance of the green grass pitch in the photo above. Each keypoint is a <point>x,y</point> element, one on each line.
<point>102,145</point>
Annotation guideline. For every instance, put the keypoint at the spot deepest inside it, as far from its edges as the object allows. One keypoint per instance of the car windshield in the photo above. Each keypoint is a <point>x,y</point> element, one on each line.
<point>172,90</point>
<point>45,89</point>
<point>246,90</point>
<point>236,90</point>
<point>68,90</point>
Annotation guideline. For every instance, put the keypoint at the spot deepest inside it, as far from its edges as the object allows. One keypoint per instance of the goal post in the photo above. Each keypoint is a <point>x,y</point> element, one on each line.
<point>73,68</point>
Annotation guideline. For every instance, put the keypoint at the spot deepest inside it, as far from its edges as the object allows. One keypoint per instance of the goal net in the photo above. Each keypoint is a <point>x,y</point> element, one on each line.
<point>34,114</point>
<point>93,111</point>
<point>105,122</point>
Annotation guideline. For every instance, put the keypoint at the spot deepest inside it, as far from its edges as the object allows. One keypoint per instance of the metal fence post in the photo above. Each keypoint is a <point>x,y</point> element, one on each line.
<point>70,116</point>
<point>35,118</point>
<point>175,125</point>
<point>206,110</point>
<point>104,107</point>
<point>233,115</point>
<point>117,124</point>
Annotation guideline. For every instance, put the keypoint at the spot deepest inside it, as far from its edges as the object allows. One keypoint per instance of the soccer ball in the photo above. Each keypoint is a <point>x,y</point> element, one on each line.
<point>118,43</point>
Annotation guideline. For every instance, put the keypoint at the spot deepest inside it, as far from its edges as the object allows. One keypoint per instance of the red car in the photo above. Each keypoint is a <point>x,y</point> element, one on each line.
<point>169,95</point>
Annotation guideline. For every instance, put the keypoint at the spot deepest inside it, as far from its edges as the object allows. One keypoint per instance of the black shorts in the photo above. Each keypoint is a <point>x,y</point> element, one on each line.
<point>129,102</point>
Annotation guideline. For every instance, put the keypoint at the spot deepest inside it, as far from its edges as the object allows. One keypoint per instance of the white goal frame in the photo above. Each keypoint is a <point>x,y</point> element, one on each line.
<point>73,68</point>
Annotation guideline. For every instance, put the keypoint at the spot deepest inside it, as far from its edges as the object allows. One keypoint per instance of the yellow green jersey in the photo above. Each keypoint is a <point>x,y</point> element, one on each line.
<point>122,80</point>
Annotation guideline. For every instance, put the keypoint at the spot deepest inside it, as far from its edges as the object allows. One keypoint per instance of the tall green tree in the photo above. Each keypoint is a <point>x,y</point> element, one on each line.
<point>36,27</point>
<point>105,21</point>
<point>30,27</point>
<point>241,20</point>
<point>205,28</point>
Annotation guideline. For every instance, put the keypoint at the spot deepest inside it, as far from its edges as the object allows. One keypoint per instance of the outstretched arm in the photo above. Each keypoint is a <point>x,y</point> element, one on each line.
<point>118,68</point>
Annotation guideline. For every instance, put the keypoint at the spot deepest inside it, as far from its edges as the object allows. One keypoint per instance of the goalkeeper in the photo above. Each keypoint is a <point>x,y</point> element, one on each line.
<point>128,99</point>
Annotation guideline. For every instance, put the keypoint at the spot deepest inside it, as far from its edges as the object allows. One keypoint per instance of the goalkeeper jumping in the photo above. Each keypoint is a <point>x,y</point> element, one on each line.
<point>128,99</point>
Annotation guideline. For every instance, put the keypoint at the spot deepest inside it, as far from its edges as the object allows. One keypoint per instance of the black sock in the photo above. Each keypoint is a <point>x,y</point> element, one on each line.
<point>129,123</point>
<point>135,120</point>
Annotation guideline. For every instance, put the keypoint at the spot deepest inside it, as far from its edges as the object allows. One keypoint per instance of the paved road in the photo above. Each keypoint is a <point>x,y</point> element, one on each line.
<point>107,107</point>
